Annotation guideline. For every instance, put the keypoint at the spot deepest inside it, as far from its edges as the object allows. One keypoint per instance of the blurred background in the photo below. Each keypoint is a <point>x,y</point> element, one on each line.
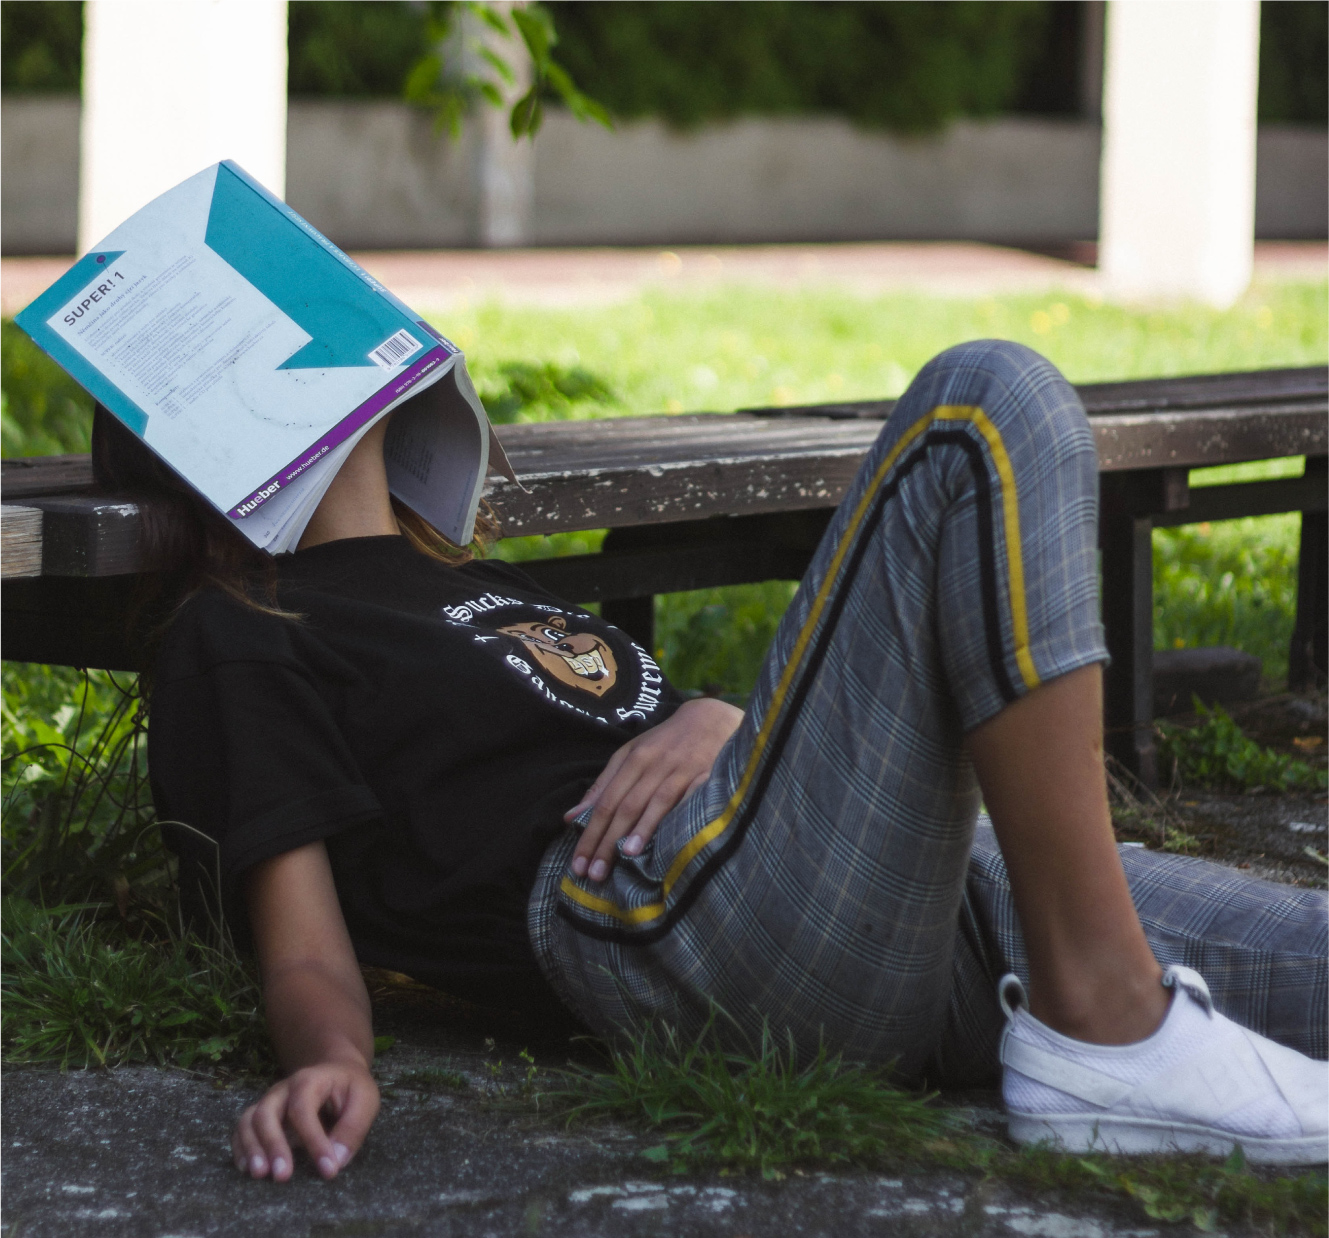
<point>796,202</point>
<point>775,122</point>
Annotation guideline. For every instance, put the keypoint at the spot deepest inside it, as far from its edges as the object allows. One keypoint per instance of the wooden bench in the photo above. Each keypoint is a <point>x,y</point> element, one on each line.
<point>696,501</point>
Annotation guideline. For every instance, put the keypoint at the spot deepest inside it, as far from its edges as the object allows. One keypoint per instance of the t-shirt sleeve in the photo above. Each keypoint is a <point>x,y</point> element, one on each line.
<point>247,761</point>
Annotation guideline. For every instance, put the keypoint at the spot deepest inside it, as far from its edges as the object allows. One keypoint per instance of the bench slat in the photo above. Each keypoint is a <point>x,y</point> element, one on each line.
<point>20,541</point>
<point>625,472</point>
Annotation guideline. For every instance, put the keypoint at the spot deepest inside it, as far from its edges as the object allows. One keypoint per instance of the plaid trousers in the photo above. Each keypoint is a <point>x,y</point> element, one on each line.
<point>829,880</point>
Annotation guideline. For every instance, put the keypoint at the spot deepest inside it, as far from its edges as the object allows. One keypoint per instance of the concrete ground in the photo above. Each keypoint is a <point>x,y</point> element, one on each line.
<point>440,280</point>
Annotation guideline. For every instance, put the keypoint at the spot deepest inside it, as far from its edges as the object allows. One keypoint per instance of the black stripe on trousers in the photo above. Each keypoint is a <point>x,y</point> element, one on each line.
<point>992,630</point>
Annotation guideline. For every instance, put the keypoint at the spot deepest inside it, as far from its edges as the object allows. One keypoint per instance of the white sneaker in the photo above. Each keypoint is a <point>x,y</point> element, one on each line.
<point>1200,1083</point>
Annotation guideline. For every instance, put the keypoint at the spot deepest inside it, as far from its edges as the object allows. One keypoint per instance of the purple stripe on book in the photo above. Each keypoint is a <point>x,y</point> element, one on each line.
<point>343,430</point>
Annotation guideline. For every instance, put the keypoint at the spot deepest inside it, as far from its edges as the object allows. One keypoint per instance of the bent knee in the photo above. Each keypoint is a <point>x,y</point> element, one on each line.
<point>1020,391</point>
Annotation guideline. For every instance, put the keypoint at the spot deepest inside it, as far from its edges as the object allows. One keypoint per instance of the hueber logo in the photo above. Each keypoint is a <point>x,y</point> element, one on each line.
<point>249,504</point>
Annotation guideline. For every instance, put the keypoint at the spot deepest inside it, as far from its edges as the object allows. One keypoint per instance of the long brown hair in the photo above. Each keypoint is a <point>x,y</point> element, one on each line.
<point>189,545</point>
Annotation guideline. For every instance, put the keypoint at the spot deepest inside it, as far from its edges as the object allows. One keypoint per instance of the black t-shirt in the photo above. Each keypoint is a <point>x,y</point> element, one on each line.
<point>431,723</point>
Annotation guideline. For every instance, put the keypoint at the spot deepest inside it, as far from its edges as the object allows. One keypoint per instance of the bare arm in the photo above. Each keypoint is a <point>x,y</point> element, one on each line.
<point>319,1018</point>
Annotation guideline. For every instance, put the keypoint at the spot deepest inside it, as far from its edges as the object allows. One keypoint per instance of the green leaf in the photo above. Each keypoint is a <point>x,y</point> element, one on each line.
<point>527,113</point>
<point>658,1154</point>
<point>537,32</point>
<point>383,1043</point>
<point>179,1019</point>
<point>490,17</point>
<point>498,64</point>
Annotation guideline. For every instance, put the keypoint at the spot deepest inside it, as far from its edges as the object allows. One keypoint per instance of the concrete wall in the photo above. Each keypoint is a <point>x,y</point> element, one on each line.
<point>374,176</point>
<point>38,174</point>
<point>814,179</point>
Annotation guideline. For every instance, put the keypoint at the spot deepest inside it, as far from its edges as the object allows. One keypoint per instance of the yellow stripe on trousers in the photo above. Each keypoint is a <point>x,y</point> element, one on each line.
<point>1010,507</point>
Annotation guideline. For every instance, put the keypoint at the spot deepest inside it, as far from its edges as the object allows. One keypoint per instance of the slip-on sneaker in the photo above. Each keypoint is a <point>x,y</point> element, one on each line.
<point>1200,1083</point>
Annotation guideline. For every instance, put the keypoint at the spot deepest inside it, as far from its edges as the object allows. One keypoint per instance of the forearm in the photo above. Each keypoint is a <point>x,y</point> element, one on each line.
<point>318,1014</point>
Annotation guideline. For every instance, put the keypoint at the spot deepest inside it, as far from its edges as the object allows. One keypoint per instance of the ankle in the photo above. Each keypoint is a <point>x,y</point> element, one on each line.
<point>1112,1009</point>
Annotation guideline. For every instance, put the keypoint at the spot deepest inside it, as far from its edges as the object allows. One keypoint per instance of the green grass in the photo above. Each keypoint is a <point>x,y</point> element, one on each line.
<point>738,347</point>
<point>81,992</point>
<point>1230,583</point>
<point>76,823</point>
<point>433,1079</point>
<point>765,1112</point>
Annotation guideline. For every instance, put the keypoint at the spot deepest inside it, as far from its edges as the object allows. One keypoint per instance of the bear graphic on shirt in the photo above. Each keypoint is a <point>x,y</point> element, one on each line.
<point>576,659</point>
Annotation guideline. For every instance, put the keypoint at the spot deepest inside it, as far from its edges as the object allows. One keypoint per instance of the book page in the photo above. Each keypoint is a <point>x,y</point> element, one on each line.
<point>435,452</point>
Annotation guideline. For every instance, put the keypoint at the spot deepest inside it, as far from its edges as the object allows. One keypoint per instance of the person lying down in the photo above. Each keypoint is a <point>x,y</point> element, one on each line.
<point>409,757</point>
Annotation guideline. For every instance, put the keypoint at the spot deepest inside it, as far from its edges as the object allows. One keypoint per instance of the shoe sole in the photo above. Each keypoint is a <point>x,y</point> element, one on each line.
<point>1129,1136</point>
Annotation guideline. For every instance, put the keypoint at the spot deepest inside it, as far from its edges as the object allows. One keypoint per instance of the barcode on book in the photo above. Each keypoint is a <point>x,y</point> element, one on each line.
<point>395,349</point>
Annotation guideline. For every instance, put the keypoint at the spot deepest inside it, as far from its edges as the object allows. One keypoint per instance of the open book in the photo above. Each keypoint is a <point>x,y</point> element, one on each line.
<point>251,355</point>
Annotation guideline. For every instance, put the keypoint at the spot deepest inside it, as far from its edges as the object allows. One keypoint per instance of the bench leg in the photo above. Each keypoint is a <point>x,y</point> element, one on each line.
<point>1308,654</point>
<point>635,616</point>
<point>1128,618</point>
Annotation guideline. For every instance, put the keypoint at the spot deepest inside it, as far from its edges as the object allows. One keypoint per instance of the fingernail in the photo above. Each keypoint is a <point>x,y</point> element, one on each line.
<point>341,1152</point>
<point>599,870</point>
<point>326,1166</point>
<point>257,1165</point>
<point>579,865</point>
<point>572,812</point>
<point>278,1167</point>
<point>632,845</point>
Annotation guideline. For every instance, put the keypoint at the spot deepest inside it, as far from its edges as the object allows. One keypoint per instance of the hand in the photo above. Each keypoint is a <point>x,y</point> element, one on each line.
<point>343,1091</point>
<point>645,779</point>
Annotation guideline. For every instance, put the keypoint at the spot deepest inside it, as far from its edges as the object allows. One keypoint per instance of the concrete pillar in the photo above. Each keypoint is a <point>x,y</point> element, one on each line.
<point>171,86</point>
<point>504,166</point>
<point>1177,216</point>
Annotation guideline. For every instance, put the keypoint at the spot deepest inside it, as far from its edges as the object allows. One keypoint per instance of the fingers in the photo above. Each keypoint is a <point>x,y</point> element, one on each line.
<point>647,777</point>
<point>353,1122</point>
<point>634,805</point>
<point>605,794</point>
<point>260,1144</point>
<point>347,1096</point>
<point>303,1116</point>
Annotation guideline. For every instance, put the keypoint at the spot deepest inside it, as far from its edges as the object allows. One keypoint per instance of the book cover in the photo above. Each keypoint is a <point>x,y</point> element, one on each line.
<point>250,354</point>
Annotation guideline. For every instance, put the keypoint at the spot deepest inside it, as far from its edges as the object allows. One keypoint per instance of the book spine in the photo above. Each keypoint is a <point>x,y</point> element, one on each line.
<point>347,426</point>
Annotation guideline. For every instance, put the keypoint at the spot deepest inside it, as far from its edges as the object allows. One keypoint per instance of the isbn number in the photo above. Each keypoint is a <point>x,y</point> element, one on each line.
<point>394,350</point>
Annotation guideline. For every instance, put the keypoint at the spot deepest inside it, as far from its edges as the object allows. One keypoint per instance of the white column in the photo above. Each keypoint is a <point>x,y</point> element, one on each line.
<point>1177,213</point>
<point>171,86</point>
<point>504,165</point>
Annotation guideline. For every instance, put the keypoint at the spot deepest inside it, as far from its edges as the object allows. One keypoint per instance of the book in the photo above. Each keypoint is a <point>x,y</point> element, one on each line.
<point>250,354</point>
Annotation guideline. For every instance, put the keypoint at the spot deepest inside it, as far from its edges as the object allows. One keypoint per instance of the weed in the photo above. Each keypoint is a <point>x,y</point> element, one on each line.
<point>1179,1188</point>
<point>94,973</point>
<point>511,1082</point>
<point>1139,814</point>
<point>77,819</point>
<point>79,992</point>
<point>1217,753</point>
<point>716,1108</point>
<point>720,1110</point>
<point>434,1079</point>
